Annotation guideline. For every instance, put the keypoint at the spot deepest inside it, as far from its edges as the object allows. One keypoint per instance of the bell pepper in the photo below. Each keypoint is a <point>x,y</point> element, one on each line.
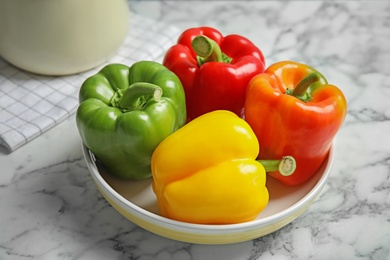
<point>294,110</point>
<point>206,172</point>
<point>125,112</point>
<point>213,69</point>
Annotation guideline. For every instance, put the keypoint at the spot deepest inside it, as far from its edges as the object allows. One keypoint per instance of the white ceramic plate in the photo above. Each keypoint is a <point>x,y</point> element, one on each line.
<point>136,201</point>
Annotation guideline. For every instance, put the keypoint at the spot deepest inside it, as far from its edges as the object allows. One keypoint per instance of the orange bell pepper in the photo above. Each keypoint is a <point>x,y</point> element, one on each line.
<point>293,110</point>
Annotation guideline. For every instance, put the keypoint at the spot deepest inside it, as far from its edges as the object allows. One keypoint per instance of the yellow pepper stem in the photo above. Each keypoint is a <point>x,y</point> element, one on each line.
<point>286,166</point>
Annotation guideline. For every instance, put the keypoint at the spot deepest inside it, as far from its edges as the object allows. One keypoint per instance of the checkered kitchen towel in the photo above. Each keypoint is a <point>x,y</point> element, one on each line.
<point>32,104</point>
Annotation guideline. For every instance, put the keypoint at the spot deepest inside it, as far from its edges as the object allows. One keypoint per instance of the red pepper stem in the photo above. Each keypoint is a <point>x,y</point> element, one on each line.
<point>300,91</point>
<point>137,95</point>
<point>207,49</point>
<point>286,166</point>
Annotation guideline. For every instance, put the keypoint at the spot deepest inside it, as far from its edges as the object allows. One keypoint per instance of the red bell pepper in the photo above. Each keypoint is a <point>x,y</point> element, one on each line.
<point>213,69</point>
<point>293,110</point>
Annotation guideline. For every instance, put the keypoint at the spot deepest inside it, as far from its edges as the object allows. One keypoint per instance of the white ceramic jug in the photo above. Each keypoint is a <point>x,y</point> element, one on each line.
<point>60,37</point>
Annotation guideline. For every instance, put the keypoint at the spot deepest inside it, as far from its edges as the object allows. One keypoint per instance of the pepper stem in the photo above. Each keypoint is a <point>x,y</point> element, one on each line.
<point>136,96</point>
<point>300,91</point>
<point>286,166</point>
<point>208,50</point>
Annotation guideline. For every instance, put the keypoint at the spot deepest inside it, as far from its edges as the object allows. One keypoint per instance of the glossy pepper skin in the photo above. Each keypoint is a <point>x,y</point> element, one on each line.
<point>285,124</point>
<point>214,84</point>
<point>125,112</point>
<point>206,172</point>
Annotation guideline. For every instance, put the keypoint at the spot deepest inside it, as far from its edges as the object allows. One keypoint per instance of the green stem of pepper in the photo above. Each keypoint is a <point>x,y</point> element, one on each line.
<point>208,50</point>
<point>286,166</point>
<point>300,91</point>
<point>136,96</point>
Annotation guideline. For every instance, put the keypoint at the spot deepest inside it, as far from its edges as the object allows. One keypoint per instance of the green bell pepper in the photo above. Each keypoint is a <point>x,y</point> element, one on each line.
<point>125,112</point>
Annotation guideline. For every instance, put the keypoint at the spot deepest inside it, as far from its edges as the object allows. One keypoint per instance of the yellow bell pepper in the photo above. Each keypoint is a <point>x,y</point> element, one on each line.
<point>206,172</point>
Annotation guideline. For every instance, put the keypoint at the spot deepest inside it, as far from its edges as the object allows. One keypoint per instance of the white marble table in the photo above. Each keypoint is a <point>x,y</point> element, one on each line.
<point>51,209</point>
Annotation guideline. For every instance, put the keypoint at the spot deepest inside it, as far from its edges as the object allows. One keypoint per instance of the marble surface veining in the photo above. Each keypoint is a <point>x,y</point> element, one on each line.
<point>51,209</point>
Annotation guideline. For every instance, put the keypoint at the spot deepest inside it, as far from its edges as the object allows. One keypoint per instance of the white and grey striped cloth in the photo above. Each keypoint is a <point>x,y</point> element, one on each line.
<point>31,104</point>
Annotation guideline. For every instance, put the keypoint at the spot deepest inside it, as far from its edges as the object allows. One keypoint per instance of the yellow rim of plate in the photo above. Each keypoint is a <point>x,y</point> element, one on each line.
<point>199,238</point>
